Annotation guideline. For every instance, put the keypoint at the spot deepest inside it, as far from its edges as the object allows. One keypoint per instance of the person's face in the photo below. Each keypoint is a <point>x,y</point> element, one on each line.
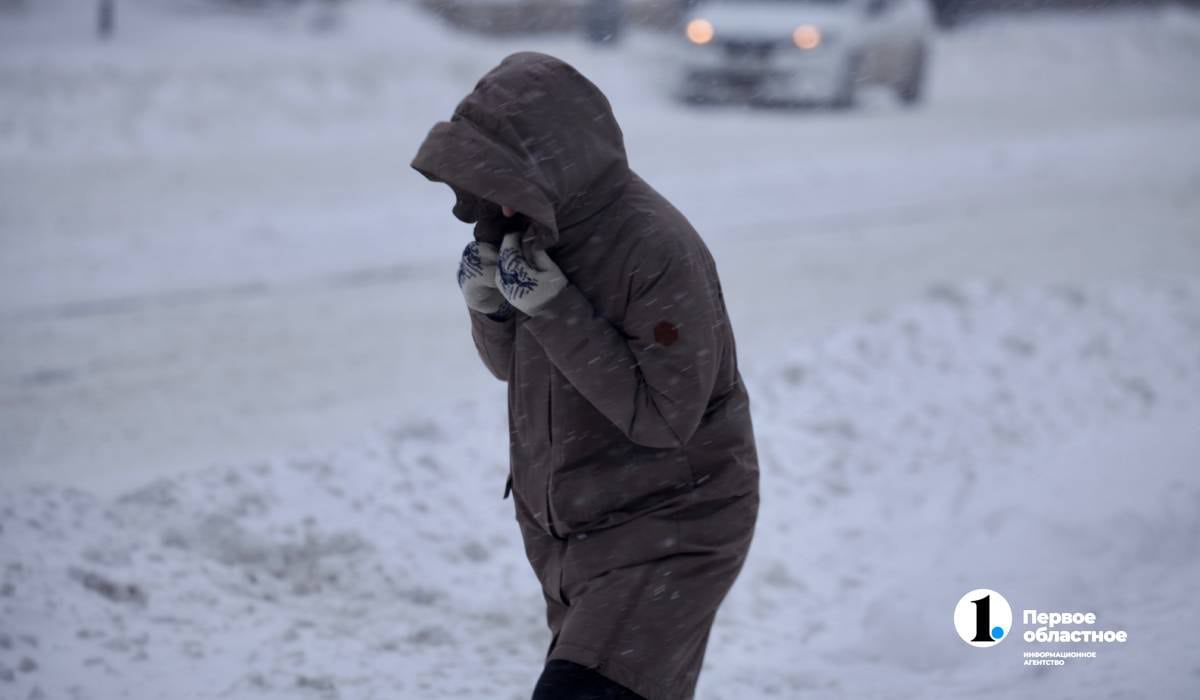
<point>468,208</point>
<point>492,221</point>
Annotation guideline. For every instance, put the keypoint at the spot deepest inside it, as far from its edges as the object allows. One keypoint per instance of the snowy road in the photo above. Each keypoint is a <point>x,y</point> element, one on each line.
<point>227,318</point>
<point>185,285</point>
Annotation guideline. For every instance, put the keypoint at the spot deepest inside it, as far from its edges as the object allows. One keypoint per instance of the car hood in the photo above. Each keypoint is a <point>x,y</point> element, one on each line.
<point>774,18</point>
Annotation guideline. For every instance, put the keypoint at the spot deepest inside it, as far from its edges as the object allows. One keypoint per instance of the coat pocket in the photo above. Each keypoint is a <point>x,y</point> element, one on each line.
<point>617,486</point>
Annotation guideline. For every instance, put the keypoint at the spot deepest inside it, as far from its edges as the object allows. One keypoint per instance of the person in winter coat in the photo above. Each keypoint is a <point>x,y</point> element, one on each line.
<point>633,466</point>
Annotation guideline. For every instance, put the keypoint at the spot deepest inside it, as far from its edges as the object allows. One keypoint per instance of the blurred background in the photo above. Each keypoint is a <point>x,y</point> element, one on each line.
<point>247,448</point>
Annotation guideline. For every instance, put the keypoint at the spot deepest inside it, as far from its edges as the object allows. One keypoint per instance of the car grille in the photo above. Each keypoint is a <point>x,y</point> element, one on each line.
<point>748,48</point>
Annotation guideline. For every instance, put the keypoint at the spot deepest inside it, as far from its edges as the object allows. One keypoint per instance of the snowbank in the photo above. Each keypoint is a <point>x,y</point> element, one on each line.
<point>1040,442</point>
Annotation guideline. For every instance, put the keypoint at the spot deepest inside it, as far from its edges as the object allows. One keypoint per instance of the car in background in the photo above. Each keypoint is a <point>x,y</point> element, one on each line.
<point>820,51</point>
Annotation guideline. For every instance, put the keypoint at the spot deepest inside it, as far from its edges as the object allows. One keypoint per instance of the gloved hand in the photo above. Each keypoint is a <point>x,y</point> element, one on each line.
<point>527,282</point>
<point>477,280</point>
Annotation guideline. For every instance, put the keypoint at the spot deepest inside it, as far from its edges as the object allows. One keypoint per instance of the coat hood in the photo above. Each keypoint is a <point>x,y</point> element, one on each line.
<point>536,136</point>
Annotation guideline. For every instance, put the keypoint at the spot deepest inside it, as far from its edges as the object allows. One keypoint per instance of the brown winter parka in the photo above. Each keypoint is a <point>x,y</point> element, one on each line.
<point>632,455</point>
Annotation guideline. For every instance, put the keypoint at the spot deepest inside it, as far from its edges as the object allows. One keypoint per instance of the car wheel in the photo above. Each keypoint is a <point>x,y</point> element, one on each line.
<point>847,90</point>
<point>912,89</point>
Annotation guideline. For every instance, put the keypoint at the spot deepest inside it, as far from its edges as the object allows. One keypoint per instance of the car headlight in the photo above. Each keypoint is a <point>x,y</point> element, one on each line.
<point>806,37</point>
<point>700,31</point>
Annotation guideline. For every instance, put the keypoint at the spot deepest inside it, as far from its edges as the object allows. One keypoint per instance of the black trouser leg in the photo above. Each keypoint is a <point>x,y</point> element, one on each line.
<point>567,680</point>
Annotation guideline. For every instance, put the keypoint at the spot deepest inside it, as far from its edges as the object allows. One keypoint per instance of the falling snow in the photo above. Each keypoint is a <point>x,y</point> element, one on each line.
<point>249,449</point>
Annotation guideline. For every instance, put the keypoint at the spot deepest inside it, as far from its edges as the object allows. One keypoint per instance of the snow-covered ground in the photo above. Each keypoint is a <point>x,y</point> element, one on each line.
<point>247,448</point>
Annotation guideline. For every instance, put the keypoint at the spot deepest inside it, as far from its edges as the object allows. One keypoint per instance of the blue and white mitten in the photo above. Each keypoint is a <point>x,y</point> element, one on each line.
<point>477,280</point>
<point>527,283</point>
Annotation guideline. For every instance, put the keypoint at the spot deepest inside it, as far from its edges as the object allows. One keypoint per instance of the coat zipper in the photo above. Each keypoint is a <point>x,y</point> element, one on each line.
<point>512,377</point>
<point>550,439</point>
<point>562,596</point>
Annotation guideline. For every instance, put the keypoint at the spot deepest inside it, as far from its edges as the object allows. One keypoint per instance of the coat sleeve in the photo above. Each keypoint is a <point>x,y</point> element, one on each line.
<point>494,341</point>
<point>653,376</point>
